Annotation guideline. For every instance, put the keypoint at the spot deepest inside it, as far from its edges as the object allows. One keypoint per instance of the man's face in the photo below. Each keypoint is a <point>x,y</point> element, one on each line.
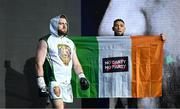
<point>119,28</point>
<point>62,26</point>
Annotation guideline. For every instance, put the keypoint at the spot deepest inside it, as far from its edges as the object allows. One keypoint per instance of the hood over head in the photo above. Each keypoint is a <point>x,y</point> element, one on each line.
<point>54,24</point>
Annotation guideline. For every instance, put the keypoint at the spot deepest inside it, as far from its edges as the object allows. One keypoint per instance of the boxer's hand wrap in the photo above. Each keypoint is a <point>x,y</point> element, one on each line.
<point>43,92</point>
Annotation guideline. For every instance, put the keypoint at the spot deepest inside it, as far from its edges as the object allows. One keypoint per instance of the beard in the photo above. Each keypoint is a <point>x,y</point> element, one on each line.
<point>64,33</point>
<point>118,34</point>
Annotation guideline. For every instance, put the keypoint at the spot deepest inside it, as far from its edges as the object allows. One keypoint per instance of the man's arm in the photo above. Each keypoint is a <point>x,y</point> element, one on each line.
<point>79,71</point>
<point>40,58</point>
<point>76,64</point>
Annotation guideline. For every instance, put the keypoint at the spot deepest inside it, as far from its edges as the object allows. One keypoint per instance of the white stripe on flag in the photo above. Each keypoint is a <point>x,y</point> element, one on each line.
<point>114,84</point>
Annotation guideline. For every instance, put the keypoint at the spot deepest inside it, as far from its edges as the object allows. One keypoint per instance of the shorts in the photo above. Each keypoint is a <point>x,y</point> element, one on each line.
<point>65,91</point>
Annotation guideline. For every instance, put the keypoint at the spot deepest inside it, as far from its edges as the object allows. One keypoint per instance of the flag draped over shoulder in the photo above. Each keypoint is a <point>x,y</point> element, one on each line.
<point>120,66</point>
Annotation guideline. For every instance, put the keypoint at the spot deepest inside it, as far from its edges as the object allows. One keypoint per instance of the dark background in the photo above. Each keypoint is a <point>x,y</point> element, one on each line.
<point>92,12</point>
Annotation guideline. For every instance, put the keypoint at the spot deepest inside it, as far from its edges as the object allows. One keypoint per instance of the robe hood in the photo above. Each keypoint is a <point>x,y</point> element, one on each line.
<point>54,25</point>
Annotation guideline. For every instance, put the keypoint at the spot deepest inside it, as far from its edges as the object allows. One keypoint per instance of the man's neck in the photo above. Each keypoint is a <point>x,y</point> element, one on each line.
<point>61,36</point>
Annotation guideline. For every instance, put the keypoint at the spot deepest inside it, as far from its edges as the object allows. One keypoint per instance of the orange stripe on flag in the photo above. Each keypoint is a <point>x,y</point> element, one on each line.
<point>147,63</point>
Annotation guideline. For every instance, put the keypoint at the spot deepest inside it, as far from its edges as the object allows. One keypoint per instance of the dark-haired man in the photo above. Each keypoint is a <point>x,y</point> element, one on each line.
<point>119,30</point>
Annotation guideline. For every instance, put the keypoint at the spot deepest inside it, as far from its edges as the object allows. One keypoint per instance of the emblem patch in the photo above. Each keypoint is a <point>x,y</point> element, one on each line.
<point>64,52</point>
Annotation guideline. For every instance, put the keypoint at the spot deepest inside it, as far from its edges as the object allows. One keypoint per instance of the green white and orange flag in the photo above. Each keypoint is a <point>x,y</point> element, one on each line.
<point>125,67</point>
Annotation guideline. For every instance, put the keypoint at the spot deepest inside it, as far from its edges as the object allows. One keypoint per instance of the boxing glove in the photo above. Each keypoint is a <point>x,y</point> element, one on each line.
<point>84,84</point>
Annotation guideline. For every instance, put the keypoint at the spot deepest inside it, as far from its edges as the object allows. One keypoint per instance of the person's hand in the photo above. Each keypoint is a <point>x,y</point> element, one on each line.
<point>83,82</point>
<point>163,37</point>
<point>43,92</point>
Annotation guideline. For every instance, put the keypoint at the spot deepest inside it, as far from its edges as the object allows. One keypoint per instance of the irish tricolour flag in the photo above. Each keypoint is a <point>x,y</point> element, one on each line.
<point>128,66</point>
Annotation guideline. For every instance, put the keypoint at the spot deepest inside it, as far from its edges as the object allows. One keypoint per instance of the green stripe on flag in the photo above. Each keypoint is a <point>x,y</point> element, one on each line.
<point>88,54</point>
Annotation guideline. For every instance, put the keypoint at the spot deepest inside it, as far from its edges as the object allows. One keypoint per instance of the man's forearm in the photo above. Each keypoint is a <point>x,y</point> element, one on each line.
<point>78,69</point>
<point>39,70</point>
